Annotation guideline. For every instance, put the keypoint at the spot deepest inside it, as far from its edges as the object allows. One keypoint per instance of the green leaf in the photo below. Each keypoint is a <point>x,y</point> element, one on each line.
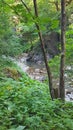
<point>20,127</point>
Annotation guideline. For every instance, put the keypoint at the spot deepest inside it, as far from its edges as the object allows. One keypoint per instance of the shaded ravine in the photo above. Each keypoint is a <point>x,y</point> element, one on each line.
<point>38,72</point>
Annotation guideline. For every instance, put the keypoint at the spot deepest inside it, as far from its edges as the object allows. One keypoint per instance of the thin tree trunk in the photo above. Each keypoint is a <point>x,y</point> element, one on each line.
<point>42,45</point>
<point>62,62</point>
<point>44,52</point>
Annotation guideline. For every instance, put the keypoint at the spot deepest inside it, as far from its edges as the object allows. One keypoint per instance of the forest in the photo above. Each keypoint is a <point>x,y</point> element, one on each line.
<point>36,64</point>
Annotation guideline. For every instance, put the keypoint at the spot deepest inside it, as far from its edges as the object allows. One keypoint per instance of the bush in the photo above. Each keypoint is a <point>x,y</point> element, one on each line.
<point>11,46</point>
<point>27,105</point>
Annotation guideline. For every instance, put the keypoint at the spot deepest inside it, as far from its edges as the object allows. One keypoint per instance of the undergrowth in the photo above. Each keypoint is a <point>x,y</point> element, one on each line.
<point>25,104</point>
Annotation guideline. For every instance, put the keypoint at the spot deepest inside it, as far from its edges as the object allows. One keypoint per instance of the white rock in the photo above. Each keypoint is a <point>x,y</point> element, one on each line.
<point>68,68</point>
<point>65,75</point>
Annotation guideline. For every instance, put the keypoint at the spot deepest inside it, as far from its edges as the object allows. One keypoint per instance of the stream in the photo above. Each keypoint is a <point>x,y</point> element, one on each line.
<point>35,71</point>
<point>38,72</point>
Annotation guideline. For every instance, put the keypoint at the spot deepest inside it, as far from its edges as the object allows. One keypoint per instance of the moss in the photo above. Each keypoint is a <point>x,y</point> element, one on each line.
<point>12,73</point>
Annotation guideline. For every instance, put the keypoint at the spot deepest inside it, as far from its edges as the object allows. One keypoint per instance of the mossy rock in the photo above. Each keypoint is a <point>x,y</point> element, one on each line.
<point>12,73</point>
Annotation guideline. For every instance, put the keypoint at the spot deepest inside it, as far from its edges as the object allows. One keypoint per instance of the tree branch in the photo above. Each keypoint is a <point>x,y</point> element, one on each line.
<point>27,8</point>
<point>13,9</point>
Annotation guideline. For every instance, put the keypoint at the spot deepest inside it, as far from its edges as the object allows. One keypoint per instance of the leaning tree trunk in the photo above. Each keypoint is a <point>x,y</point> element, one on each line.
<point>62,62</point>
<point>42,44</point>
<point>43,50</point>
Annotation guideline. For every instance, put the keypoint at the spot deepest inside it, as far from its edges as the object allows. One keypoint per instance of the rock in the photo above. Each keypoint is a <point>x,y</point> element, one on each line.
<point>65,75</point>
<point>67,98</point>
<point>29,58</point>
<point>69,94</point>
<point>12,73</point>
<point>52,42</point>
<point>68,68</point>
<point>39,62</point>
<point>37,70</point>
<point>42,78</point>
<point>68,90</point>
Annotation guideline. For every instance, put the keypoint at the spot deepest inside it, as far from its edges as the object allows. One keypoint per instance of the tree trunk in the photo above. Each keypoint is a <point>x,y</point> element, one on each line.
<point>42,45</point>
<point>62,62</point>
<point>44,52</point>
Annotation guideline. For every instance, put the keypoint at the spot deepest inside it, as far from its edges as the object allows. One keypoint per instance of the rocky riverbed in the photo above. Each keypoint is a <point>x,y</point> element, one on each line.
<point>38,72</point>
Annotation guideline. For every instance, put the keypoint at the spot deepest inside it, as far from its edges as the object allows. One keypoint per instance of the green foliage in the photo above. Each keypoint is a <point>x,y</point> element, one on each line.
<point>69,45</point>
<point>11,46</point>
<point>69,51</point>
<point>55,65</point>
<point>26,104</point>
<point>9,41</point>
<point>4,62</point>
<point>4,21</point>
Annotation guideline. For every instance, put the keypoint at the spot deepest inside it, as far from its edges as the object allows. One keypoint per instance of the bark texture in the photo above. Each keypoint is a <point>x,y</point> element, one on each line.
<point>62,62</point>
